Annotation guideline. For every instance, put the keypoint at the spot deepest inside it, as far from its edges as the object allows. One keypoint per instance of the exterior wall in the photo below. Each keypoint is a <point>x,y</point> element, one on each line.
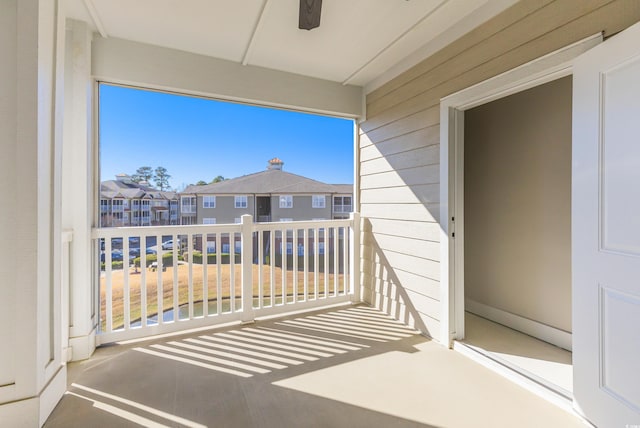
<point>517,178</point>
<point>302,208</point>
<point>399,144</point>
<point>225,210</point>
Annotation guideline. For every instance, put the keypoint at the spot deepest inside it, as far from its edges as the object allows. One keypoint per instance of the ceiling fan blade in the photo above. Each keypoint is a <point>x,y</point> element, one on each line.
<point>309,14</point>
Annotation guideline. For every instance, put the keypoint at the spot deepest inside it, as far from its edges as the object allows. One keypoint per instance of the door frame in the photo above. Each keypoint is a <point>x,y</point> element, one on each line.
<point>547,68</point>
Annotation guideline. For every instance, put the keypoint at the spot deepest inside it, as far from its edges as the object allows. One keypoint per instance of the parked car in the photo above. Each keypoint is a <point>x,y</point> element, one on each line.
<point>116,256</point>
<point>168,245</point>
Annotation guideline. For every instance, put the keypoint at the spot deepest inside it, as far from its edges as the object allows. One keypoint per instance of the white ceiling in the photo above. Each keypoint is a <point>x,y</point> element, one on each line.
<point>359,42</point>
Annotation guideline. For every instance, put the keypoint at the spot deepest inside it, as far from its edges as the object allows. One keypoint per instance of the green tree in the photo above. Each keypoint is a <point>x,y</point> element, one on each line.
<point>144,173</point>
<point>161,178</point>
<point>201,183</point>
<point>218,179</point>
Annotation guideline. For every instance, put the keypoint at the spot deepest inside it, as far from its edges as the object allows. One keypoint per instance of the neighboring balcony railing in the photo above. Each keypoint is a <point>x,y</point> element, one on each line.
<point>169,278</point>
<point>342,208</point>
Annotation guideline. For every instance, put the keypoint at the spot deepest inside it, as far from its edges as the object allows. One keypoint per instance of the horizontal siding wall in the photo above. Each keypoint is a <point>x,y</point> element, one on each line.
<point>399,148</point>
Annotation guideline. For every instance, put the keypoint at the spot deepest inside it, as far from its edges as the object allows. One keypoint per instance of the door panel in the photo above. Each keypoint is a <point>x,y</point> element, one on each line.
<point>606,231</point>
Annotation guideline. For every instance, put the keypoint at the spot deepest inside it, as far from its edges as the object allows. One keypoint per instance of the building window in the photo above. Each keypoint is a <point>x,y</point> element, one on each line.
<point>188,204</point>
<point>286,219</point>
<point>238,247</point>
<point>286,201</point>
<point>208,202</point>
<point>342,204</point>
<point>318,201</point>
<point>241,201</point>
<point>188,220</point>
<point>208,220</point>
<point>237,220</point>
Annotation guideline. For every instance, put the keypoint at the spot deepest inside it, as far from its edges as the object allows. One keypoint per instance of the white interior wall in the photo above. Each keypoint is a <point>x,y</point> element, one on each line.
<point>517,207</point>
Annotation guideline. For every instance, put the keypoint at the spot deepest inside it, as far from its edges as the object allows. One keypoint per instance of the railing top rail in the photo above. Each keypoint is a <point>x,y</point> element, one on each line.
<point>119,232</point>
<point>278,225</point>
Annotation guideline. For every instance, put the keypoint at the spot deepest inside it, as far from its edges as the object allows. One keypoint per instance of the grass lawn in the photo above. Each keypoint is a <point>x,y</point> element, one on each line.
<point>182,289</point>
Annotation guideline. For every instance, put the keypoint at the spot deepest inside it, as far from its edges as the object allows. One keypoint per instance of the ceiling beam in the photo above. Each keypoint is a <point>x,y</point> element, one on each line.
<point>254,35</point>
<point>93,12</point>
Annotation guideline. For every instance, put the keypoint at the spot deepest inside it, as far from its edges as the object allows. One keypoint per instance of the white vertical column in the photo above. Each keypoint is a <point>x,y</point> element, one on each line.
<point>247,268</point>
<point>32,371</point>
<point>78,178</point>
<point>354,257</point>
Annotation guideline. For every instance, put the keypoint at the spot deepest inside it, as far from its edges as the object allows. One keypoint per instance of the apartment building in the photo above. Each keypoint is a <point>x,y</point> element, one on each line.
<point>124,202</point>
<point>269,195</point>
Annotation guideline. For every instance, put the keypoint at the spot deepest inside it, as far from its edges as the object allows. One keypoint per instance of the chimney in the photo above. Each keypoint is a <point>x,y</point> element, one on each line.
<point>275,163</point>
<point>124,178</point>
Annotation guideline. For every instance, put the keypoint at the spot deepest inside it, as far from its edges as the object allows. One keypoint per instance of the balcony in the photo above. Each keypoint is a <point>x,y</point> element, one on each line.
<point>339,209</point>
<point>341,367</point>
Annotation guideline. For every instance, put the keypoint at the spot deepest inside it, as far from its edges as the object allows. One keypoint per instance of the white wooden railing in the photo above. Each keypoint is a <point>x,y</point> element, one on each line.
<point>251,270</point>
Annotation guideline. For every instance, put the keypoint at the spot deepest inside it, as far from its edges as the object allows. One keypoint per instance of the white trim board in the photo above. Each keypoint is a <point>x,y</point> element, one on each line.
<point>534,73</point>
<point>528,326</point>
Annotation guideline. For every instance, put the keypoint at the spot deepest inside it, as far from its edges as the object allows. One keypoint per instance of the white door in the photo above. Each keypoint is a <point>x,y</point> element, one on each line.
<point>606,232</point>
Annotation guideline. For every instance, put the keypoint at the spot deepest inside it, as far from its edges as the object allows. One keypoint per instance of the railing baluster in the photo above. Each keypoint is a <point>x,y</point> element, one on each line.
<point>126,296</point>
<point>108,284</point>
<point>219,274</point>
<point>336,262</point>
<point>294,257</point>
<point>316,270</point>
<point>176,289</point>
<point>305,251</point>
<point>260,268</point>
<point>143,281</point>
<point>160,291</point>
<point>232,271</point>
<point>345,261</point>
<point>190,252</point>
<point>325,246</point>
<point>205,274</point>
<point>283,263</point>
<point>272,269</point>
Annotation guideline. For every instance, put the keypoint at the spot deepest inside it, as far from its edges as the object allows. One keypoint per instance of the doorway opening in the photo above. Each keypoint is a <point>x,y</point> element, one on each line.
<point>517,231</point>
<point>506,192</point>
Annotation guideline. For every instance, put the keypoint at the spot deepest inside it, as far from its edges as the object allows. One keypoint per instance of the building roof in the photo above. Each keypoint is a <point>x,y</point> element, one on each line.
<point>128,189</point>
<point>269,182</point>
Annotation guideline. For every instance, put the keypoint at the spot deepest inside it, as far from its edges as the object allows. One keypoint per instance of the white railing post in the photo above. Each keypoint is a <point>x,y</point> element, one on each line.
<point>246,252</point>
<point>354,257</point>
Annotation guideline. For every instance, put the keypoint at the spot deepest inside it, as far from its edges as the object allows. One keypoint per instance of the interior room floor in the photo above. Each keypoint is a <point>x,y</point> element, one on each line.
<point>540,359</point>
<point>351,366</point>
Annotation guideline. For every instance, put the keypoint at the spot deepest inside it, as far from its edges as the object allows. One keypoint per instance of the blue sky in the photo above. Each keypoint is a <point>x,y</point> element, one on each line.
<point>199,139</point>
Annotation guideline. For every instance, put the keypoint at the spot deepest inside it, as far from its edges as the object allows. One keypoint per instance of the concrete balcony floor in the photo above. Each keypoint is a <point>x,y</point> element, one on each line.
<point>350,366</point>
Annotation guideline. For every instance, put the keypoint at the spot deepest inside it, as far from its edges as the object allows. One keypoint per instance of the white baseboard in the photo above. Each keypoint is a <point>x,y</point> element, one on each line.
<point>82,347</point>
<point>536,329</point>
<point>34,411</point>
<point>52,393</point>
